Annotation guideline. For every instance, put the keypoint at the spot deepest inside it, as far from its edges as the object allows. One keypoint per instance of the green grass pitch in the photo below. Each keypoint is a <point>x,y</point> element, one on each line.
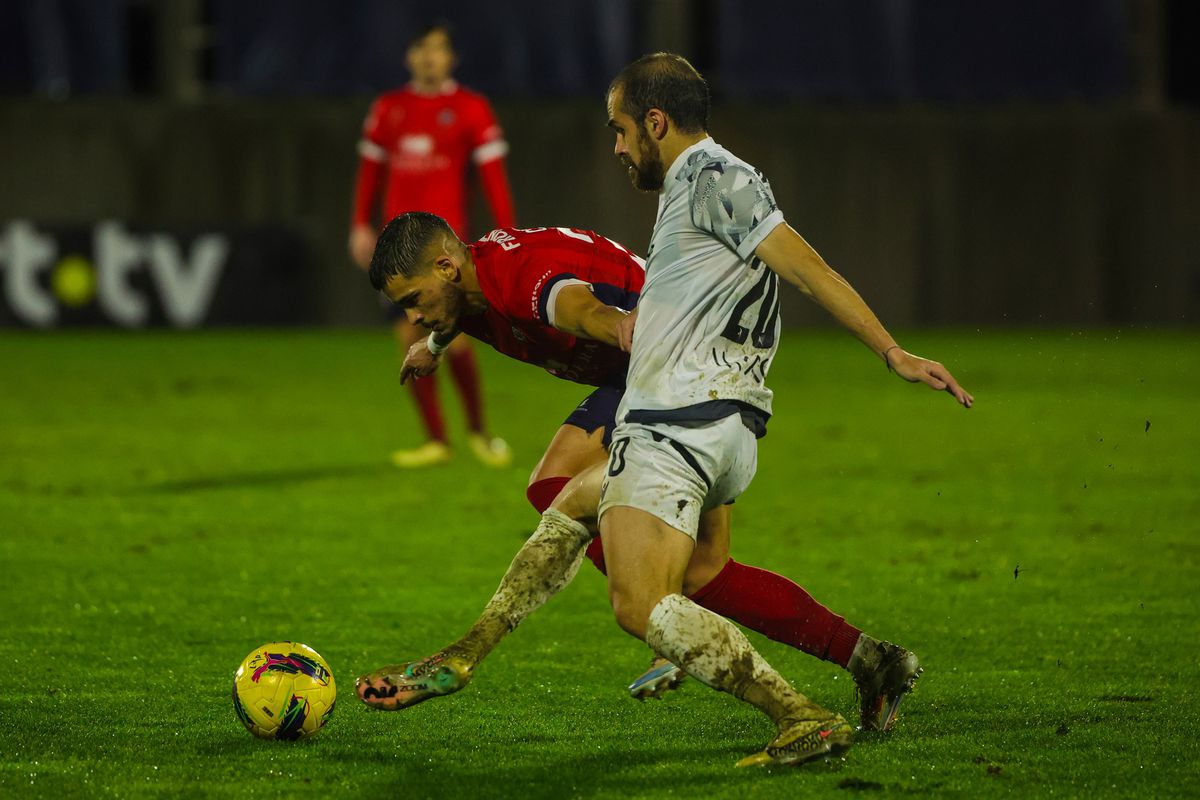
<point>169,501</point>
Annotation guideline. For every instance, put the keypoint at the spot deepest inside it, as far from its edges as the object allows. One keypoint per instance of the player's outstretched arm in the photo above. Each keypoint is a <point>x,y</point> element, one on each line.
<point>579,313</point>
<point>792,258</point>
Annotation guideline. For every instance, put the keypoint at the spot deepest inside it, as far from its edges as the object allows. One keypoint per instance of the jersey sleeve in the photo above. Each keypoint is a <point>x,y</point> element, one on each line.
<point>535,292</point>
<point>486,137</point>
<point>531,283</point>
<point>734,203</point>
<point>373,144</point>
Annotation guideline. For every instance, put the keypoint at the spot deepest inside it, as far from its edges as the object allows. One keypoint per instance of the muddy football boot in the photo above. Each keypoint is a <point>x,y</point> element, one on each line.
<point>660,678</point>
<point>803,741</point>
<point>883,674</point>
<point>402,685</point>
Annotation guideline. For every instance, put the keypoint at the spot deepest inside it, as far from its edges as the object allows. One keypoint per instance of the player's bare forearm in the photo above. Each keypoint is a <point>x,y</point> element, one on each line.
<point>794,260</point>
<point>579,313</point>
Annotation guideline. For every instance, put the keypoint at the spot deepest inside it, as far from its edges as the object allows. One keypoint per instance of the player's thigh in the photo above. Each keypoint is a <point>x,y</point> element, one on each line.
<point>570,452</point>
<point>584,436</point>
<point>712,549</point>
<point>646,561</point>
<point>580,498</point>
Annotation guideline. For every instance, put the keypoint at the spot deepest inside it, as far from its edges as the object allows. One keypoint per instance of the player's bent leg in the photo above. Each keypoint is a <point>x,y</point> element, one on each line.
<point>580,442</point>
<point>708,559</point>
<point>546,563</point>
<point>646,561</point>
<point>580,498</point>
<point>570,452</point>
<point>659,474</point>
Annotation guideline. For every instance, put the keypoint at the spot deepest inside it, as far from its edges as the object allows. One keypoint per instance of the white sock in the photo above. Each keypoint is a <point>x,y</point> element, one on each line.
<point>546,563</point>
<point>711,649</point>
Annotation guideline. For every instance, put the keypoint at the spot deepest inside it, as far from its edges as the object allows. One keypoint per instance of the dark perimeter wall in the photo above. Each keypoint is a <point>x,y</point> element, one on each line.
<point>966,216</point>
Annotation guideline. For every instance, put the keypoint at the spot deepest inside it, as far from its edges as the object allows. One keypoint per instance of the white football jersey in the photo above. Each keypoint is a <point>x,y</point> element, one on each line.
<point>708,317</point>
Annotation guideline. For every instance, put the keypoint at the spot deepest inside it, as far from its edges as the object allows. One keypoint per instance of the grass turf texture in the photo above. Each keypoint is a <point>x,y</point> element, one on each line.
<point>168,502</point>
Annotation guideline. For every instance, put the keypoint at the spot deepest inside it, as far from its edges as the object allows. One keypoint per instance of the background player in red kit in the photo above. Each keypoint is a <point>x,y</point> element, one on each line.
<point>417,144</point>
<point>557,298</point>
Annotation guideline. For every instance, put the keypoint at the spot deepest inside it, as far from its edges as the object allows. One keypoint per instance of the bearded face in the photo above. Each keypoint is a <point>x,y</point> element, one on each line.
<point>647,172</point>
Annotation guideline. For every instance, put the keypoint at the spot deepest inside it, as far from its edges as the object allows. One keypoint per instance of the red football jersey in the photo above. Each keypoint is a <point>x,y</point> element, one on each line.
<point>426,143</point>
<point>521,270</point>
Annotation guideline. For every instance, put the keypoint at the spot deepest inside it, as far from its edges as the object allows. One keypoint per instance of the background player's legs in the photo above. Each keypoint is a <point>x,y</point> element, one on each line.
<point>464,370</point>
<point>435,450</point>
<point>491,451</point>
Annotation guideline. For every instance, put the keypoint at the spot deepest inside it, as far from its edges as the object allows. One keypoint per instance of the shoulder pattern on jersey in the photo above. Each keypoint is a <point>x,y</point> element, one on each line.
<point>728,199</point>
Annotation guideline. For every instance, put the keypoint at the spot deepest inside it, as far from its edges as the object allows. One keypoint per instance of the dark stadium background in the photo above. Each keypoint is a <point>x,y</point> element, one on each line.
<point>1026,162</point>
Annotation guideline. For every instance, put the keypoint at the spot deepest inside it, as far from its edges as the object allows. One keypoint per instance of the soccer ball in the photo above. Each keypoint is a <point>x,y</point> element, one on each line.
<point>284,690</point>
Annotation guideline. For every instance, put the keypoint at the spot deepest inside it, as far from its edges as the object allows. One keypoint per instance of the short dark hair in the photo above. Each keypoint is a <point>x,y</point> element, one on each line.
<point>401,247</point>
<point>428,27</point>
<point>665,81</point>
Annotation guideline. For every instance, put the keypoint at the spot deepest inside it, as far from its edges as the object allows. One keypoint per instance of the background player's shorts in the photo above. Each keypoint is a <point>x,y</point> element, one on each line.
<point>678,472</point>
<point>598,410</point>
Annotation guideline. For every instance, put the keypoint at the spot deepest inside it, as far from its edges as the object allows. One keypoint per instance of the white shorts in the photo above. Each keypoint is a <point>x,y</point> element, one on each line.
<point>677,472</point>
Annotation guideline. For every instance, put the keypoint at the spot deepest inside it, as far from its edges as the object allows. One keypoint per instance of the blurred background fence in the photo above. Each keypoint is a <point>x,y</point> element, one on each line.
<point>186,162</point>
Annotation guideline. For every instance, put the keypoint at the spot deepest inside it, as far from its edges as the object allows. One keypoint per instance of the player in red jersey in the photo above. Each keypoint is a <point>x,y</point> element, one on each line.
<point>418,143</point>
<point>558,298</point>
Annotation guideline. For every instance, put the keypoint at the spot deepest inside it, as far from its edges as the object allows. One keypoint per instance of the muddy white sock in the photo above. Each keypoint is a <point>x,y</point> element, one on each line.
<point>712,650</point>
<point>545,564</point>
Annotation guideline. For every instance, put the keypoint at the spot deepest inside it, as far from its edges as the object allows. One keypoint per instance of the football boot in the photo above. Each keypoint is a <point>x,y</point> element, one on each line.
<point>805,740</point>
<point>883,674</point>
<point>492,452</point>
<point>660,678</point>
<point>427,455</point>
<point>402,685</point>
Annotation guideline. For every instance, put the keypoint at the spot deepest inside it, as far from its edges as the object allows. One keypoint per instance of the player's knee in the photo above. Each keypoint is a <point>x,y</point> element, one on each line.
<point>631,611</point>
<point>580,498</point>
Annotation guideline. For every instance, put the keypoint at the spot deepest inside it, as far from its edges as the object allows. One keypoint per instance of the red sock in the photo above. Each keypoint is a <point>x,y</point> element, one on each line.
<point>542,493</point>
<point>425,392</point>
<point>779,609</point>
<point>465,372</point>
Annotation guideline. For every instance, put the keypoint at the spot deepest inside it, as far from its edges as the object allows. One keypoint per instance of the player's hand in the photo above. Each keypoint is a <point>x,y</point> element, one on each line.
<point>419,362</point>
<point>362,245</point>
<point>915,369</point>
<point>625,331</point>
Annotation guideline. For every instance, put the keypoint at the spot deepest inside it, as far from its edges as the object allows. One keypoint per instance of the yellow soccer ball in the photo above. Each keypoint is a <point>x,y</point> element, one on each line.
<point>284,690</point>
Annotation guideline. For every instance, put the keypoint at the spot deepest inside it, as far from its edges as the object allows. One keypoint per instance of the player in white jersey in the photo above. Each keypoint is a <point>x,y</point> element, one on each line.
<point>706,329</point>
